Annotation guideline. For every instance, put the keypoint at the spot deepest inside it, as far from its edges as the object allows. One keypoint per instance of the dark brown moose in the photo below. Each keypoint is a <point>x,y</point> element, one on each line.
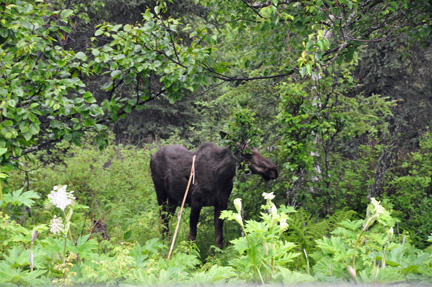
<point>215,168</point>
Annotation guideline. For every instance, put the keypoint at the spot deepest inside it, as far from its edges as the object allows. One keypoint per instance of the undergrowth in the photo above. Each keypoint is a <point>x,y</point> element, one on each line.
<point>109,234</point>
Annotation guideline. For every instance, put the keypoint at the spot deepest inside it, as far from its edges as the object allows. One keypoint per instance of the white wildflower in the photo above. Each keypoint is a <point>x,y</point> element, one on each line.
<point>390,234</point>
<point>239,219</point>
<point>238,205</point>
<point>283,225</point>
<point>60,197</point>
<point>374,211</point>
<point>273,209</point>
<point>268,196</point>
<point>378,208</point>
<point>56,225</point>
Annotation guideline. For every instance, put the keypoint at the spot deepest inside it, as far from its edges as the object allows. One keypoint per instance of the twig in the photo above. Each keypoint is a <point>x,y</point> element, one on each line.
<point>192,175</point>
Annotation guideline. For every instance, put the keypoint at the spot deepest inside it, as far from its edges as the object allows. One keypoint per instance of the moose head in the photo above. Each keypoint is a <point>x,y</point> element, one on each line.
<point>259,164</point>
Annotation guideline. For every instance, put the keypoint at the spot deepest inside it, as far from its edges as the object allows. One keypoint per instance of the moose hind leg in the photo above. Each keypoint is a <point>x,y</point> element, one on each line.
<point>193,221</point>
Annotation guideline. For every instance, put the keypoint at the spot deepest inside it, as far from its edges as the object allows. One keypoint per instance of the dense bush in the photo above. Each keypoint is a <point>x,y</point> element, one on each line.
<point>409,189</point>
<point>114,183</point>
<point>113,187</point>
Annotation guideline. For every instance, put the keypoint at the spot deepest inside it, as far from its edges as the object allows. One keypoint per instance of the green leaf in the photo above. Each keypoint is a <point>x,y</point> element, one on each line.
<point>11,103</point>
<point>27,135</point>
<point>115,74</point>
<point>8,123</point>
<point>81,56</point>
<point>127,235</point>
<point>17,197</point>
<point>292,277</point>
<point>95,52</point>
<point>88,97</point>
<point>65,14</point>
<point>18,92</point>
<point>309,68</point>
<point>410,269</point>
<point>3,151</point>
<point>34,105</point>
<point>34,128</point>
<point>88,122</point>
<point>98,33</point>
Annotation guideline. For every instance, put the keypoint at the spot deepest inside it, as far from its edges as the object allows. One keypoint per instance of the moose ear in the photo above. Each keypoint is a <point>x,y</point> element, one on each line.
<point>223,134</point>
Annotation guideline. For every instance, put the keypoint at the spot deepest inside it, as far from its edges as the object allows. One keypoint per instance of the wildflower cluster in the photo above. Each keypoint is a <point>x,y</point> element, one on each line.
<point>262,246</point>
<point>375,212</point>
<point>56,225</point>
<point>60,197</point>
<point>271,216</point>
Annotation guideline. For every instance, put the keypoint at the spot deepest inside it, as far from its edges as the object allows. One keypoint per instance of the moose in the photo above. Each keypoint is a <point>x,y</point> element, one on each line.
<point>215,168</point>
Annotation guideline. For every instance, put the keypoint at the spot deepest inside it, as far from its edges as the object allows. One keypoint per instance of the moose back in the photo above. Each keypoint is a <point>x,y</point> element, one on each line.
<point>215,168</point>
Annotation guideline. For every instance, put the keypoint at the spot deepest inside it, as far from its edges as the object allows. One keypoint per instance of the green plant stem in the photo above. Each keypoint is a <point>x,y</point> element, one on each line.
<point>1,195</point>
<point>64,251</point>
<point>31,257</point>
<point>247,238</point>
<point>70,235</point>
<point>355,248</point>
<point>385,255</point>
<point>68,231</point>
<point>259,273</point>
<point>375,275</point>
<point>273,259</point>
<point>65,235</point>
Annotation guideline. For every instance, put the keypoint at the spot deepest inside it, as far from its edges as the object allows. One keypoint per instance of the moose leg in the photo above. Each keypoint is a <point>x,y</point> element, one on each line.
<point>194,217</point>
<point>218,227</point>
<point>166,214</point>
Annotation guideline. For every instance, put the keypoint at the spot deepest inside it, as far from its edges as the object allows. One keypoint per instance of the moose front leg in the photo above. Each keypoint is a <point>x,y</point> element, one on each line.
<point>218,227</point>
<point>194,217</point>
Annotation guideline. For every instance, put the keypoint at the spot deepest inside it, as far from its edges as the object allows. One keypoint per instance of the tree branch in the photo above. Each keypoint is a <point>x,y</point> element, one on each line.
<point>257,5</point>
<point>246,79</point>
<point>253,8</point>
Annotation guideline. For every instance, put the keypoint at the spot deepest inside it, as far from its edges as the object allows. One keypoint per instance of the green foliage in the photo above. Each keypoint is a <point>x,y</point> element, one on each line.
<point>114,183</point>
<point>261,251</point>
<point>268,252</point>
<point>41,90</point>
<point>242,131</point>
<point>316,120</point>
<point>283,70</point>
<point>146,53</point>
<point>409,191</point>
<point>15,199</point>
<point>44,98</point>
<point>18,197</point>
<point>305,229</point>
<point>363,251</point>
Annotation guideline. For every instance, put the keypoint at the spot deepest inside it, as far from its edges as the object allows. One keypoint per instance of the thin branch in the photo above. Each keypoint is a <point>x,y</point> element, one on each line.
<point>233,79</point>
<point>165,55</point>
<point>269,3</point>
<point>373,40</point>
<point>344,44</point>
<point>236,20</point>
<point>253,8</point>
<point>211,88</point>
<point>168,29</point>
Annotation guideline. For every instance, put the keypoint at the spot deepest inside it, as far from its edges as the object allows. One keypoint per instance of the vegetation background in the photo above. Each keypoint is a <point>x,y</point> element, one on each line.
<point>336,93</point>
